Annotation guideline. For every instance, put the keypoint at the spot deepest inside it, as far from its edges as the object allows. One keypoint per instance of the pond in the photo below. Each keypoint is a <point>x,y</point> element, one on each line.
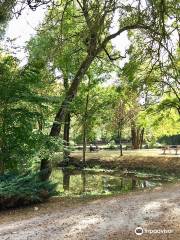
<point>102,182</point>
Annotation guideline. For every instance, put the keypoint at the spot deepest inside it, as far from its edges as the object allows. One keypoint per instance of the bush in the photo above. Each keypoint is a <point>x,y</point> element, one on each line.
<point>23,190</point>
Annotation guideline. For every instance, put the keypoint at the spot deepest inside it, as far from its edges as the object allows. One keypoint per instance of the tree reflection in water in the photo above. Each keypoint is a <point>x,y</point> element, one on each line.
<point>83,181</point>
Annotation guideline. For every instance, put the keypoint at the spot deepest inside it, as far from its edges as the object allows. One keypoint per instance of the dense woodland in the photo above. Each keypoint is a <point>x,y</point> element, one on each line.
<point>77,88</point>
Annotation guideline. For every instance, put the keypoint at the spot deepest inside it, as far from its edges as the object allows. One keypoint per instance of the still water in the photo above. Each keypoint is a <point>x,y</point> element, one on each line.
<point>91,182</point>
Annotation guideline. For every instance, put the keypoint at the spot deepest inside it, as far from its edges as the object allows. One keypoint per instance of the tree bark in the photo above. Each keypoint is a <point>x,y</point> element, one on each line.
<point>66,180</point>
<point>137,135</point>
<point>45,169</point>
<point>1,166</point>
<point>66,122</point>
<point>85,127</point>
<point>83,176</point>
<point>66,135</point>
<point>141,138</point>
<point>60,116</point>
<point>40,124</point>
<point>84,145</point>
<point>71,93</point>
<point>120,141</point>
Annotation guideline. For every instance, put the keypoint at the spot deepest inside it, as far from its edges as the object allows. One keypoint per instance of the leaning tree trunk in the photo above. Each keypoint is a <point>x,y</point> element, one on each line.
<point>66,135</point>
<point>66,123</point>
<point>92,51</point>
<point>71,93</point>
<point>45,168</point>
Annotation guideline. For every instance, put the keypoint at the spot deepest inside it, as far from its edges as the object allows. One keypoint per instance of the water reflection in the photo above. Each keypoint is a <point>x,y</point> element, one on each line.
<point>99,182</point>
<point>66,180</point>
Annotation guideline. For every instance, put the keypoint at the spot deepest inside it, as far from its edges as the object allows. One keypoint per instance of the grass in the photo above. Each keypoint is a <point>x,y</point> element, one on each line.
<point>139,152</point>
<point>149,160</point>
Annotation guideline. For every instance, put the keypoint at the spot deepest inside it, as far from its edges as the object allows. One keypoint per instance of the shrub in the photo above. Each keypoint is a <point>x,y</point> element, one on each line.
<point>23,190</point>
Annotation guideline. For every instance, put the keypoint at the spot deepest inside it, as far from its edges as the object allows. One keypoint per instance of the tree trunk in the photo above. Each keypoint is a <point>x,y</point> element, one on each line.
<point>120,141</point>
<point>66,180</point>
<point>66,135</point>
<point>1,166</point>
<point>40,121</point>
<point>85,127</point>
<point>137,135</point>
<point>71,93</point>
<point>133,183</point>
<point>135,138</point>
<point>59,119</point>
<point>3,155</point>
<point>40,124</point>
<point>141,138</point>
<point>84,145</point>
<point>45,169</point>
<point>3,141</point>
<point>83,176</point>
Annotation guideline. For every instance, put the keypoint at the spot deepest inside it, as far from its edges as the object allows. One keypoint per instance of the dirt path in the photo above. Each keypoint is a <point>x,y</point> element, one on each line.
<point>111,218</point>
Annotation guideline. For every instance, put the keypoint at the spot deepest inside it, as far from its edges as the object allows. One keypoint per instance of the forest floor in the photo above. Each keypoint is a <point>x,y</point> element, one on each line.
<point>148,159</point>
<point>110,218</point>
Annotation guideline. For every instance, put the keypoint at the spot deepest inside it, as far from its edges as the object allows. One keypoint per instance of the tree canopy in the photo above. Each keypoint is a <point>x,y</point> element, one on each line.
<point>78,87</point>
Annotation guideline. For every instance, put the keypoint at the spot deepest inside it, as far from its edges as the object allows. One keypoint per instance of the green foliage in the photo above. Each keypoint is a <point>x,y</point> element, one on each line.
<point>17,118</point>
<point>18,190</point>
<point>5,13</point>
<point>22,116</point>
<point>159,123</point>
<point>60,44</point>
<point>99,103</point>
<point>169,102</point>
<point>148,85</point>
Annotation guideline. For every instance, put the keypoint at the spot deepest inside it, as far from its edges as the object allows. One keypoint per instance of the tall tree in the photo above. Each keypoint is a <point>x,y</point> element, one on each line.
<point>98,17</point>
<point>94,20</point>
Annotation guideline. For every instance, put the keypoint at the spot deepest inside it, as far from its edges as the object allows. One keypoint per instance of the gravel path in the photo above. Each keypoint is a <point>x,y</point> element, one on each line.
<point>104,219</point>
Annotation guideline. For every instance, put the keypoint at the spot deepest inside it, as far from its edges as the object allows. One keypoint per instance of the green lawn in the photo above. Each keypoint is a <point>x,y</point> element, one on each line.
<point>116,153</point>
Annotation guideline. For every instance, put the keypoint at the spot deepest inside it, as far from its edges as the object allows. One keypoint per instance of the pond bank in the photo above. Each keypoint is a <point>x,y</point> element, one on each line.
<point>111,160</point>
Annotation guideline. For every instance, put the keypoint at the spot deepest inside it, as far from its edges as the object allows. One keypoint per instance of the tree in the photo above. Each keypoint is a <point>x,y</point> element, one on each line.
<point>148,75</point>
<point>122,117</point>
<point>95,19</point>
<point>17,119</point>
<point>22,137</point>
<point>91,102</point>
<point>5,13</point>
